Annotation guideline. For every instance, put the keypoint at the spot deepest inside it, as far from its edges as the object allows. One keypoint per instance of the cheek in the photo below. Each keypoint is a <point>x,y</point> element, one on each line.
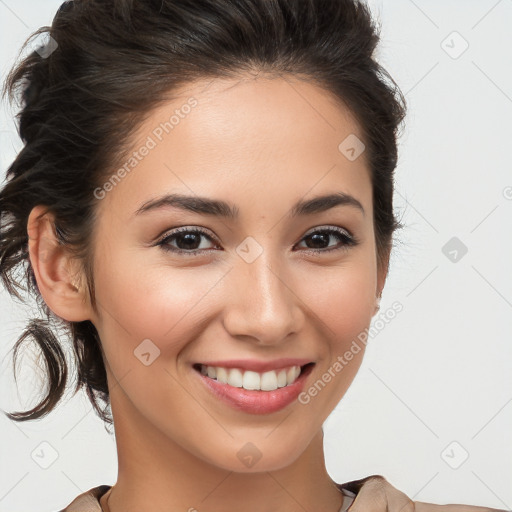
<point>170,305</point>
<point>140,301</point>
<point>343,299</point>
<point>147,321</point>
<point>341,306</point>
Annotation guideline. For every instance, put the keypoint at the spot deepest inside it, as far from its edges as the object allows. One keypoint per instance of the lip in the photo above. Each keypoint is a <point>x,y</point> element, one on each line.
<point>255,401</point>
<point>256,365</point>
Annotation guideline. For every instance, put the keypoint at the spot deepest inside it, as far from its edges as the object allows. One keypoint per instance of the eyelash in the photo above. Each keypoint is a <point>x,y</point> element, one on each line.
<point>348,239</point>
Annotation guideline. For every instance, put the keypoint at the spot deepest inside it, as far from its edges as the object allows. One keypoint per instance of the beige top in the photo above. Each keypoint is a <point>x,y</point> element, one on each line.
<point>89,501</point>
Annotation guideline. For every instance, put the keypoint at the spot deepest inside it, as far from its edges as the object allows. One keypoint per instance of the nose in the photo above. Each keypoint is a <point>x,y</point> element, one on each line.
<point>263,304</point>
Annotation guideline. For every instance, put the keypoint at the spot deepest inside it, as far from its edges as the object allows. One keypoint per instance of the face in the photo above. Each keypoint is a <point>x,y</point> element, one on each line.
<point>180,285</point>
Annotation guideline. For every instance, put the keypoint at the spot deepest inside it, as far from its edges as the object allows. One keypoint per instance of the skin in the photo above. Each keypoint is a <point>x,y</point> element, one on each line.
<point>261,144</point>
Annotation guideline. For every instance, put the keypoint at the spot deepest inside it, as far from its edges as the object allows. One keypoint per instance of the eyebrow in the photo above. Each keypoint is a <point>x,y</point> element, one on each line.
<point>219,208</point>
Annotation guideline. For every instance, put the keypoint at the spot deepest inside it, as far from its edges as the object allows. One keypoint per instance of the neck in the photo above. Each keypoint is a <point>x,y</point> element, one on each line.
<point>155,470</point>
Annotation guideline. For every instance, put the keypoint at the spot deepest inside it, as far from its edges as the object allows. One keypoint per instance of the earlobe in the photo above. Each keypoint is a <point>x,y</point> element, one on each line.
<point>53,268</point>
<point>377,305</point>
<point>382,273</point>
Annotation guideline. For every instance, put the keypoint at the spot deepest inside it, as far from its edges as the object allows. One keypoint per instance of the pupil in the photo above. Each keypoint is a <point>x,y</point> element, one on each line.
<point>322,235</point>
<point>189,238</point>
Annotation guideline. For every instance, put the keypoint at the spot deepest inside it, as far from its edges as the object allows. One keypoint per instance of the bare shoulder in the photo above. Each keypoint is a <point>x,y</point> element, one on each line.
<point>420,506</point>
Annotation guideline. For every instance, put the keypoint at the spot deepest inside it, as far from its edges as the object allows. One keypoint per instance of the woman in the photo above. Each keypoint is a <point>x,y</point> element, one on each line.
<point>204,200</point>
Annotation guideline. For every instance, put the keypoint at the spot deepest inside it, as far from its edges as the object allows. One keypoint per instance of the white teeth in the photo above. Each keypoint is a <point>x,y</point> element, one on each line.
<point>251,380</point>
<point>267,381</point>
<point>222,375</point>
<point>235,377</point>
<point>270,381</point>
<point>282,380</point>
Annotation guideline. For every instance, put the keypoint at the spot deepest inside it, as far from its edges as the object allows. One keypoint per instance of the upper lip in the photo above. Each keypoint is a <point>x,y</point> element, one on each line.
<point>259,366</point>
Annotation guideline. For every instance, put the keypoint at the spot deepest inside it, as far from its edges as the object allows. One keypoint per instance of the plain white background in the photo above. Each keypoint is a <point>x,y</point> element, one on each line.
<point>431,407</point>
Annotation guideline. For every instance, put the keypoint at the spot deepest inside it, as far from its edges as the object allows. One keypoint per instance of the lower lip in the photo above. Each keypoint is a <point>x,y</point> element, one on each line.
<point>255,401</point>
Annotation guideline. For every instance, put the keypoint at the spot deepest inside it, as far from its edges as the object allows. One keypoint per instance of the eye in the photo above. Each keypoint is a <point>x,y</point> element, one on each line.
<point>188,240</point>
<point>322,236</point>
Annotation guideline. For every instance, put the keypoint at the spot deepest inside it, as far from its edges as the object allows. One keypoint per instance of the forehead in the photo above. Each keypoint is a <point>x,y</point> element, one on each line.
<point>257,134</point>
<point>251,112</point>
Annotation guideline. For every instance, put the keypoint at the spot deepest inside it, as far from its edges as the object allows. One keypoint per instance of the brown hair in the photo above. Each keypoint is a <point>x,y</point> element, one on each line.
<point>107,64</point>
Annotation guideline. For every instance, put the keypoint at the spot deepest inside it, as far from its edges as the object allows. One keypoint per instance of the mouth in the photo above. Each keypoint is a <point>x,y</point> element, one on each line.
<point>250,380</point>
<point>254,400</point>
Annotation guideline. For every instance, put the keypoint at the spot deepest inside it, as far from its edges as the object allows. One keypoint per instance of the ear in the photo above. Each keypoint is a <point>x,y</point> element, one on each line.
<point>382,273</point>
<point>57,274</point>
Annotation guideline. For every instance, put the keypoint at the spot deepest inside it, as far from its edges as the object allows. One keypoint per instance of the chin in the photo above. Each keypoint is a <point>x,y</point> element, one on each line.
<point>256,457</point>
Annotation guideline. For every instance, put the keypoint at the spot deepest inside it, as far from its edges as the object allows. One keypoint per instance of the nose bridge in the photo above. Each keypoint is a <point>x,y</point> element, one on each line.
<point>263,304</point>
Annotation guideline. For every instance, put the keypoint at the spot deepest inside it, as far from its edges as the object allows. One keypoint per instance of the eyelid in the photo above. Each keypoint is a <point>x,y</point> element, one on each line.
<point>174,231</point>
<point>351,242</point>
<point>328,227</point>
